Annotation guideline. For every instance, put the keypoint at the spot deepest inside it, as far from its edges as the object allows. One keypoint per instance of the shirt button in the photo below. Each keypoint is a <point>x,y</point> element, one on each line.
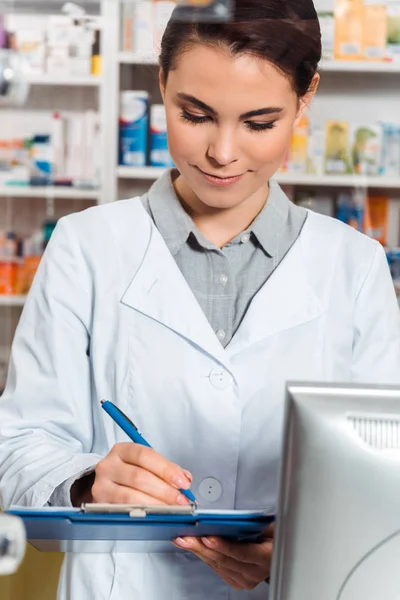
<point>245,238</point>
<point>223,279</point>
<point>221,335</point>
<point>210,489</point>
<point>220,379</point>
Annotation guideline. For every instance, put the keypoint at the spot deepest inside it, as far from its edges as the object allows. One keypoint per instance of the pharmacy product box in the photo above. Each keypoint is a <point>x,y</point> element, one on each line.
<point>393,31</point>
<point>31,45</point>
<point>375,28</point>
<point>159,152</point>
<point>366,149</point>
<point>349,19</point>
<point>134,128</point>
<point>390,161</point>
<point>337,160</point>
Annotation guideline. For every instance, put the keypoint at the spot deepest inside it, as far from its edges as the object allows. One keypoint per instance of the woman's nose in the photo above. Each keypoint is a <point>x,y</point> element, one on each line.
<point>223,148</point>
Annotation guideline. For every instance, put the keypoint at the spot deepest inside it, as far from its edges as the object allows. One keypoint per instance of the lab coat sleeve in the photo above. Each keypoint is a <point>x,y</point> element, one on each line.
<point>376,347</point>
<point>46,424</point>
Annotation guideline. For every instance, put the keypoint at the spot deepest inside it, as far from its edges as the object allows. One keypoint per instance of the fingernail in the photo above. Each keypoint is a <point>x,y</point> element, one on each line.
<point>207,542</point>
<point>181,499</point>
<point>181,482</point>
<point>188,475</point>
<point>183,543</point>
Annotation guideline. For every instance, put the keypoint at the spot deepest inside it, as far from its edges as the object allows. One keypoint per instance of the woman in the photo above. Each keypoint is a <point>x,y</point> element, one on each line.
<point>191,308</point>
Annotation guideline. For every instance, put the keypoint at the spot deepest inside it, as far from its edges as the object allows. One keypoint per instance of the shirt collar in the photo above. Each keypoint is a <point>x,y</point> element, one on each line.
<point>175,225</point>
<point>171,219</point>
<point>271,223</point>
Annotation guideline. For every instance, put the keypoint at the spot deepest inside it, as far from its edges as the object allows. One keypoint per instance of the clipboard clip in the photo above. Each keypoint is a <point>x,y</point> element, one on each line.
<point>137,510</point>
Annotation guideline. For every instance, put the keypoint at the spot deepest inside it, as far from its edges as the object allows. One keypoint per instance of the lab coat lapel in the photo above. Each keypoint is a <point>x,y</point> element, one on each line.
<point>286,301</point>
<point>160,291</point>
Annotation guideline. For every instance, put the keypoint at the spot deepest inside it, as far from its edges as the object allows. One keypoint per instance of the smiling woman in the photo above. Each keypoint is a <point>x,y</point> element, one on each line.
<point>233,93</point>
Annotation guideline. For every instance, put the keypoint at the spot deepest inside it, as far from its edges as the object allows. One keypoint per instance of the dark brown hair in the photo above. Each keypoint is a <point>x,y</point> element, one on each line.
<point>284,32</point>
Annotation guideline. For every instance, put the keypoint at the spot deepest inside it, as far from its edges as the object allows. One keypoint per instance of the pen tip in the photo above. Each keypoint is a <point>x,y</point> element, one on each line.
<point>102,401</point>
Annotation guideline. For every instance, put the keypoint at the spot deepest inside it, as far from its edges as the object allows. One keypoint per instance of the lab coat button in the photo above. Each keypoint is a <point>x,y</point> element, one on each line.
<point>210,489</point>
<point>220,379</point>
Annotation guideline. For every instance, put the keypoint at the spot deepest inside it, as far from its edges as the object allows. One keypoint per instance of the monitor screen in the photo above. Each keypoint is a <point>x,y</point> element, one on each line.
<point>338,523</point>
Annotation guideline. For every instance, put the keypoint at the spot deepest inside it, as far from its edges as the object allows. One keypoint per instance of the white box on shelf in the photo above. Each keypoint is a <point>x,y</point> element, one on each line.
<point>30,43</point>
<point>58,61</point>
<point>59,30</point>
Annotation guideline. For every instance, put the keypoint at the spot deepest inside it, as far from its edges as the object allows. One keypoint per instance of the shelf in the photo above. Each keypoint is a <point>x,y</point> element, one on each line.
<point>327,66</point>
<point>140,172</point>
<point>151,173</point>
<point>12,300</point>
<point>66,193</point>
<point>392,183</point>
<point>138,58</point>
<point>343,66</point>
<point>66,81</point>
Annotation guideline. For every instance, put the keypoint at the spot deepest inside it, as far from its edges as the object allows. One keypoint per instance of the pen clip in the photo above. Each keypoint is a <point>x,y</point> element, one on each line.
<point>123,415</point>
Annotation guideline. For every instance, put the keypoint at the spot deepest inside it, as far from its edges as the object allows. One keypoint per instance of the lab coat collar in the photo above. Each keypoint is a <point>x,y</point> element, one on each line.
<point>160,291</point>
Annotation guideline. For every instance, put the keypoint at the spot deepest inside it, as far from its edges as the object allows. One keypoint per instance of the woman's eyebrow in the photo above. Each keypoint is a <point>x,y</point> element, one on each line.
<point>271,110</point>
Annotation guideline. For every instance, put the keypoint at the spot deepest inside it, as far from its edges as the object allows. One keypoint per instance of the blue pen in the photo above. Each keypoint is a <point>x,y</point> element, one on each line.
<point>133,433</point>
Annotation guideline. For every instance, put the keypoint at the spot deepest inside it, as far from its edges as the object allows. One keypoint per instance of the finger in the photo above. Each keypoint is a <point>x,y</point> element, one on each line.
<point>146,482</point>
<point>235,580</point>
<point>269,532</point>
<point>228,577</point>
<point>253,572</point>
<point>149,460</point>
<point>259,554</point>
<point>118,494</point>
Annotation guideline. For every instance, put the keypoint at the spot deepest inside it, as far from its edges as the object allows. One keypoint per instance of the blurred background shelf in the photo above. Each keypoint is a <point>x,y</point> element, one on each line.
<point>65,81</point>
<point>48,192</point>
<point>12,300</point>
<point>152,173</point>
<point>327,66</point>
<point>343,66</point>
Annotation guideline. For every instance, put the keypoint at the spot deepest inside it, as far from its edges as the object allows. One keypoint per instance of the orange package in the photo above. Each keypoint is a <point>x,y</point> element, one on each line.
<point>8,271</point>
<point>377,218</point>
<point>25,273</point>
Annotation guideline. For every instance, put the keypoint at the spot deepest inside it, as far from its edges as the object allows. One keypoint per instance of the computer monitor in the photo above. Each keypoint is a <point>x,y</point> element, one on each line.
<point>338,513</point>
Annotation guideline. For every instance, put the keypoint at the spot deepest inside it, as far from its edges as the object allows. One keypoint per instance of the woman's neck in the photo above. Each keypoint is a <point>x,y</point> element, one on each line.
<point>219,225</point>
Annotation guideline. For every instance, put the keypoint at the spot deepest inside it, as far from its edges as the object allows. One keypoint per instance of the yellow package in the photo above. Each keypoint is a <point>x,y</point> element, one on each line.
<point>337,159</point>
<point>375,30</point>
<point>349,18</point>
<point>297,159</point>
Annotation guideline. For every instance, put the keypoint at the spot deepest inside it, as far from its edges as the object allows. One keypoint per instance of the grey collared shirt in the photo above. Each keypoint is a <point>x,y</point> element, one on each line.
<point>224,281</point>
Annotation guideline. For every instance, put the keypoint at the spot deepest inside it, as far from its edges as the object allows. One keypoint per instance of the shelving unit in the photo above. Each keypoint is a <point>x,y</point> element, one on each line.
<point>153,173</point>
<point>48,192</point>
<point>326,66</point>
<point>10,301</point>
<point>72,81</point>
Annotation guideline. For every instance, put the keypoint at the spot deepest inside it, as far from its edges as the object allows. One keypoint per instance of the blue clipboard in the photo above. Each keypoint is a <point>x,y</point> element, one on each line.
<point>127,528</point>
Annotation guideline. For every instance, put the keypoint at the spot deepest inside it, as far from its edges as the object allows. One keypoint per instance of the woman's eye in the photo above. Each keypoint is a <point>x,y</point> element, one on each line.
<point>260,126</point>
<point>187,116</point>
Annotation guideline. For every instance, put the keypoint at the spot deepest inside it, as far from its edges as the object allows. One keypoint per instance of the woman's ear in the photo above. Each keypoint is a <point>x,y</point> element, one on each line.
<point>306,100</point>
<point>161,80</point>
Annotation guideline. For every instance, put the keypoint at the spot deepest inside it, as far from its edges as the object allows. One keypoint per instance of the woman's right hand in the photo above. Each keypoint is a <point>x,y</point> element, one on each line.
<point>135,474</point>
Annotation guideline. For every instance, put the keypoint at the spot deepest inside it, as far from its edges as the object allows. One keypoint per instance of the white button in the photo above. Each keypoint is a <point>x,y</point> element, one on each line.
<point>221,335</point>
<point>220,379</point>
<point>210,489</point>
<point>245,238</point>
<point>223,279</point>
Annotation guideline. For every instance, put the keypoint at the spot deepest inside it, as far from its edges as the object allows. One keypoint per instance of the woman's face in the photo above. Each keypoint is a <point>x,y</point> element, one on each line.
<point>230,121</point>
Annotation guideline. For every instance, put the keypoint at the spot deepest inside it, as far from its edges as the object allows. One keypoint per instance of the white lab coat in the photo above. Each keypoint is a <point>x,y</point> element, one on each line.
<point>111,316</point>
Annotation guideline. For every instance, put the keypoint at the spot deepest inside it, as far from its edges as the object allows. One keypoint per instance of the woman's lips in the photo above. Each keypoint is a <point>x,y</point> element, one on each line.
<point>221,181</point>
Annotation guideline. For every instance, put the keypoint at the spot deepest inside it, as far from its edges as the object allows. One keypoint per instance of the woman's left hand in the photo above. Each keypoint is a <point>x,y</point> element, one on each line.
<point>242,565</point>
